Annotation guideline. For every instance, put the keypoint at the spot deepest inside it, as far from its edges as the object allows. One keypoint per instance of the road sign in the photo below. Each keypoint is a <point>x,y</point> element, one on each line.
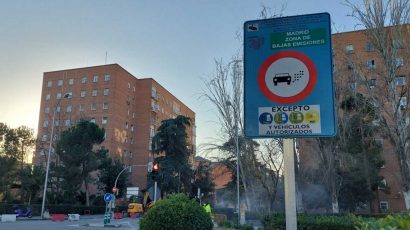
<point>107,197</point>
<point>288,77</point>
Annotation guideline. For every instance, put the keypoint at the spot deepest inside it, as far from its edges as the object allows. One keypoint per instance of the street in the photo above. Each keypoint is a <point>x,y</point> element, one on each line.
<point>89,222</point>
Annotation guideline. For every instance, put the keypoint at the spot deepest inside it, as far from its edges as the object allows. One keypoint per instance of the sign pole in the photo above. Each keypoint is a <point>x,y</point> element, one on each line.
<point>155,192</point>
<point>290,194</point>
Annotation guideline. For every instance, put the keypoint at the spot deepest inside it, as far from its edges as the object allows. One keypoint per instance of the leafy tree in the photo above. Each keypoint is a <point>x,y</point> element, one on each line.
<point>15,146</point>
<point>386,24</point>
<point>171,140</point>
<point>78,157</point>
<point>350,162</point>
<point>108,172</point>
<point>203,179</point>
<point>31,180</point>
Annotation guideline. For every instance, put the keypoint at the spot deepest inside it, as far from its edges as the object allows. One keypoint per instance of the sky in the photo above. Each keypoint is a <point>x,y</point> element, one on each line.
<point>173,41</point>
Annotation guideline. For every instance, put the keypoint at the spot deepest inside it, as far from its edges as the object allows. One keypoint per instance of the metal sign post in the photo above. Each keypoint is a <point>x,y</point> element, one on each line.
<point>290,192</point>
<point>107,215</point>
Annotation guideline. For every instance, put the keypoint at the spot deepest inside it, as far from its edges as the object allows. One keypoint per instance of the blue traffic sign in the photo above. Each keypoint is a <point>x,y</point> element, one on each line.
<point>288,77</point>
<point>107,197</point>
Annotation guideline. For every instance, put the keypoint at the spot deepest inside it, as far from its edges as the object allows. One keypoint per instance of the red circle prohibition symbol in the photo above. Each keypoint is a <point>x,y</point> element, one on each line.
<point>297,97</point>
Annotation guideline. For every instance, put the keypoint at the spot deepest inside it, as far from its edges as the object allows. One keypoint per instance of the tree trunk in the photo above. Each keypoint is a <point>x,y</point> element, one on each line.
<point>87,194</point>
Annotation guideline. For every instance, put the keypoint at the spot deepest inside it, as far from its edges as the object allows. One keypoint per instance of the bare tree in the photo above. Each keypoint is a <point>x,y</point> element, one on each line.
<point>387,29</point>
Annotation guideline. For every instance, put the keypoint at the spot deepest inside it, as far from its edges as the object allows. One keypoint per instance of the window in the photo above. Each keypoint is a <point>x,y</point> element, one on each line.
<point>92,120</point>
<point>105,105</point>
<point>83,93</point>
<point>371,64</point>
<point>104,120</point>
<point>399,61</point>
<point>133,88</point>
<point>60,83</point>
<point>57,123</point>
<point>94,93</point>
<point>398,44</point>
<point>379,141</point>
<point>153,92</point>
<point>71,81</point>
<point>132,141</point>
<point>93,106</point>
<point>107,77</point>
<point>69,94</point>
<point>81,108</point>
<point>400,80</point>
<point>69,108</point>
<point>58,96</point>
<point>349,49</point>
<point>133,115</point>
<point>384,206</point>
<point>151,131</point>
<point>49,83</point>
<point>44,138</point>
<point>369,47</point>
<point>129,85</point>
<point>47,110</point>
<point>95,78</point>
<point>352,85</point>
<point>372,83</point>
<point>132,128</point>
<point>67,122</point>
<point>58,109</point>
<point>403,102</point>
<point>175,108</point>
<point>84,80</point>
<point>45,124</point>
<point>48,97</point>
<point>106,92</point>
<point>126,125</point>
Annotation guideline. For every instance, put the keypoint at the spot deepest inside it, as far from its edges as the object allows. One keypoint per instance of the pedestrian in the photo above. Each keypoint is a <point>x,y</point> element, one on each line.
<point>208,208</point>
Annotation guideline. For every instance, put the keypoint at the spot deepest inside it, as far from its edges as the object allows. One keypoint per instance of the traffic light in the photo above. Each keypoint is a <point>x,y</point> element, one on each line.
<point>115,190</point>
<point>155,167</point>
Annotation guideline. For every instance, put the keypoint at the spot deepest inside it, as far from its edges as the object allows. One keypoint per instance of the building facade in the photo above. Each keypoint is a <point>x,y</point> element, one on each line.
<point>359,68</point>
<point>129,109</point>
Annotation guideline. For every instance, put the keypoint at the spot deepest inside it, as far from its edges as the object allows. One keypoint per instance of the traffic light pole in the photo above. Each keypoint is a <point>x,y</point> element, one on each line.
<point>155,192</point>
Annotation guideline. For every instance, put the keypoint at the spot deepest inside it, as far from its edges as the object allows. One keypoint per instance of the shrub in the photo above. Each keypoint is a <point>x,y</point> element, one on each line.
<point>307,222</point>
<point>227,224</point>
<point>389,222</point>
<point>177,212</point>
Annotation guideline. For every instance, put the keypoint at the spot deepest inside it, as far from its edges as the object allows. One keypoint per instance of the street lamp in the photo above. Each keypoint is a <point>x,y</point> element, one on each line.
<point>67,95</point>
<point>228,103</point>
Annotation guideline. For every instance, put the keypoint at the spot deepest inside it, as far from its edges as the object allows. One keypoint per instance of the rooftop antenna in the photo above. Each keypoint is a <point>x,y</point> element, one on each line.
<point>106,54</point>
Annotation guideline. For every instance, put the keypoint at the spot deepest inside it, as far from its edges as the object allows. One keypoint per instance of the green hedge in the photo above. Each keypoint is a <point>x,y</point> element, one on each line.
<point>177,212</point>
<point>389,222</point>
<point>228,224</point>
<point>311,222</point>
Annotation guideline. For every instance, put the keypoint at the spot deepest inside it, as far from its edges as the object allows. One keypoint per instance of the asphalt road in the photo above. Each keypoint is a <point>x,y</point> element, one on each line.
<point>89,223</point>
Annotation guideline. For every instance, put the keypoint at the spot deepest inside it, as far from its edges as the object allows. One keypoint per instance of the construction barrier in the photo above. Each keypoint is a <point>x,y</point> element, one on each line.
<point>8,218</point>
<point>118,215</point>
<point>133,215</point>
<point>73,217</point>
<point>57,217</point>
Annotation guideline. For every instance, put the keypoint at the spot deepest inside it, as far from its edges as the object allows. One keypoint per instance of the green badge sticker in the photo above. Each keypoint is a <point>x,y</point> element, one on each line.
<point>296,117</point>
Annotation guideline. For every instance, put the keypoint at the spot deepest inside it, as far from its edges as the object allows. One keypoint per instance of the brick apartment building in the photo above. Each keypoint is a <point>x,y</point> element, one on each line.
<point>352,53</point>
<point>129,109</point>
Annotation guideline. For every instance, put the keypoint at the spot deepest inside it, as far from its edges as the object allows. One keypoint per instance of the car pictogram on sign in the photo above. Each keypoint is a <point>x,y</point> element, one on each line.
<point>282,77</point>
